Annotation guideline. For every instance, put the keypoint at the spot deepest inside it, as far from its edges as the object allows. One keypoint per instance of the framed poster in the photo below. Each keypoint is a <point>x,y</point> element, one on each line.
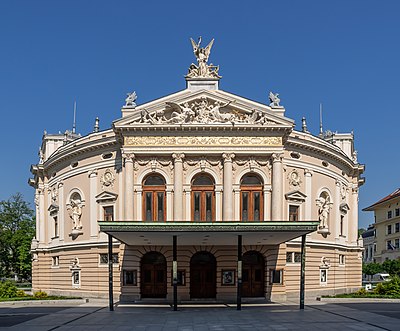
<point>228,277</point>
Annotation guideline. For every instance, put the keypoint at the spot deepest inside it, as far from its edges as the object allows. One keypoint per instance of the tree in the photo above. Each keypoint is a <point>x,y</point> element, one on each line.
<point>361,231</point>
<point>17,228</point>
<point>372,268</point>
<point>392,267</point>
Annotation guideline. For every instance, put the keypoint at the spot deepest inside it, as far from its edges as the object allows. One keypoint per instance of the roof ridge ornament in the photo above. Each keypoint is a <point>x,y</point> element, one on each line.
<point>203,69</point>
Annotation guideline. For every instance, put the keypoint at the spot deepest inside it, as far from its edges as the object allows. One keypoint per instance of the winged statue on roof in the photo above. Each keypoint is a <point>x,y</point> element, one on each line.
<point>202,69</point>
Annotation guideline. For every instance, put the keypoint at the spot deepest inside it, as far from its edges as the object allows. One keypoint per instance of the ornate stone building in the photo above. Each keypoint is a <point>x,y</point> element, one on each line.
<point>202,189</point>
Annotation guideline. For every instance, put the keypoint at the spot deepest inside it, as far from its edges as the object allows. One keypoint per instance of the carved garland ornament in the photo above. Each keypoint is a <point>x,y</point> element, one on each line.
<point>199,141</point>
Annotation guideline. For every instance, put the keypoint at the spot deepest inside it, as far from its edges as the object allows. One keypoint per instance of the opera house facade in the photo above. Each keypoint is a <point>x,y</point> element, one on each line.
<point>203,192</point>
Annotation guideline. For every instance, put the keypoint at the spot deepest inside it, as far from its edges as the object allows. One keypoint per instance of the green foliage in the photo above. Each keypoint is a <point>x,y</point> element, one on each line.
<point>391,287</point>
<point>392,267</point>
<point>40,295</point>
<point>372,268</point>
<point>8,289</point>
<point>361,292</point>
<point>361,231</point>
<point>17,228</point>
<point>21,293</point>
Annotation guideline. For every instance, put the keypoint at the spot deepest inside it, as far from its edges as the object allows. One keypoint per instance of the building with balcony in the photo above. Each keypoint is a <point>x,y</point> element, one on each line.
<point>387,227</point>
<point>201,191</point>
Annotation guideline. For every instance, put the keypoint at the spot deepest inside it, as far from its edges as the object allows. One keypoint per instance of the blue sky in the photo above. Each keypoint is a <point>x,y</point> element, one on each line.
<point>345,54</point>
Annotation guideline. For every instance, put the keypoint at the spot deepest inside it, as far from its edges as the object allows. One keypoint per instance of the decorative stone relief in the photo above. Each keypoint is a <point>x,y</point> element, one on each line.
<point>343,190</point>
<point>130,100</point>
<point>198,141</point>
<point>325,263</point>
<point>74,265</point>
<point>294,178</point>
<point>202,111</point>
<point>202,69</point>
<point>54,194</point>
<point>107,180</point>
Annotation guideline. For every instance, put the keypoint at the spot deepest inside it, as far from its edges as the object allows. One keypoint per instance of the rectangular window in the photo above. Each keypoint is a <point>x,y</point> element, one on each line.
<point>397,227</point>
<point>76,278</point>
<point>389,244</point>
<point>297,257</point>
<point>397,212</point>
<point>289,257</point>
<point>245,206</point>
<point>374,248</point>
<point>389,229</point>
<point>130,277</point>
<point>149,206</point>
<point>396,244</point>
<point>276,276</point>
<point>341,233</point>
<point>256,206</point>
<point>55,226</point>
<point>342,259</point>
<point>104,258</point>
<point>323,276</point>
<point>196,206</point>
<point>293,213</point>
<point>108,213</point>
<point>55,261</point>
<point>160,206</point>
<point>389,214</point>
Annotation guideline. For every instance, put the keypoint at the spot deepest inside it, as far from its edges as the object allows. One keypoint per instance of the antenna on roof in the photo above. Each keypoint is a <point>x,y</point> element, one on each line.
<point>320,120</point>
<point>74,123</point>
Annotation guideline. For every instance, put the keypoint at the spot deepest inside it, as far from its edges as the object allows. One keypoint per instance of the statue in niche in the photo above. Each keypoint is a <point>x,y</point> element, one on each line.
<point>274,99</point>
<point>130,99</point>
<point>323,204</point>
<point>202,54</point>
<point>75,213</point>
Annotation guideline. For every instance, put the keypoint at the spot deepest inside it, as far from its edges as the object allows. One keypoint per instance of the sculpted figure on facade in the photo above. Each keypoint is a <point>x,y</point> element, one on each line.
<point>108,178</point>
<point>75,213</point>
<point>274,99</point>
<point>294,178</point>
<point>130,100</point>
<point>324,204</point>
<point>203,69</point>
<point>181,114</point>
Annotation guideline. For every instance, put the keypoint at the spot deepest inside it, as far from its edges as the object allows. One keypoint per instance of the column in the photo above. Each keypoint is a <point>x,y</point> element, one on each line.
<point>239,280</point>
<point>277,187</point>
<point>128,186</point>
<point>335,225</point>
<point>303,270</point>
<point>353,220</point>
<point>308,192</point>
<point>178,186</point>
<point>138,207</point>
<point>42,215</point>
<point>110,274</point>
<point>267,203</point>
<point>61,210</point>
<point>93,204</point>
<point>227,211</point>
<point>175,272</point>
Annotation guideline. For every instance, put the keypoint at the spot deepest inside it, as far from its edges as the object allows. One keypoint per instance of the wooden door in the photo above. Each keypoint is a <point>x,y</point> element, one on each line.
<point>253,275</point>
<point>203,276</point>
<point>153,276</point>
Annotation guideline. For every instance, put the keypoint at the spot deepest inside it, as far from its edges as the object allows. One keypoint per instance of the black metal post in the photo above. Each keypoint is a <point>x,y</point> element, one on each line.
<point>175,273</point>
<point>110,274</point>
<point>239,272</point>
<point>303,270</point>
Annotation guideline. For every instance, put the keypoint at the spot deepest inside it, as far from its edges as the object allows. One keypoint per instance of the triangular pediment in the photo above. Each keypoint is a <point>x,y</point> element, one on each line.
<point>53,209</point>
<point>106,196</point>
<point>344,208</point>
<point>296,196</point>
<point>203,108</point>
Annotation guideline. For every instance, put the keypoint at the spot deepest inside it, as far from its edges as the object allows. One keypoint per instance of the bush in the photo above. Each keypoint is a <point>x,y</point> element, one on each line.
<point>40,295</point>
<point>361,292</point>
<point>8,289</point>
<point>391,287</point>
<point>21,293</point>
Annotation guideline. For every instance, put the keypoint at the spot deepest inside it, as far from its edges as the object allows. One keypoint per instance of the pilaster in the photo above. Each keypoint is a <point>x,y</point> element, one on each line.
<point>227,211</point>
<point>61,211</point>
<point>277,187</point>
<point>93,211</point>
<point>178,186</point>
<point>128,186</point>
<point>308,192</point>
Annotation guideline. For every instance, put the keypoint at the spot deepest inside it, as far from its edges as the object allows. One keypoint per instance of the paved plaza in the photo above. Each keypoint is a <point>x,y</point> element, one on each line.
<point>95,315</point>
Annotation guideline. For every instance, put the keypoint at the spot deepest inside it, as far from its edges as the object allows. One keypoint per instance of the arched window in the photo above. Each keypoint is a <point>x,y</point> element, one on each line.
<point>251,198</point>
<point>154,198</point>
<point>203,199</point>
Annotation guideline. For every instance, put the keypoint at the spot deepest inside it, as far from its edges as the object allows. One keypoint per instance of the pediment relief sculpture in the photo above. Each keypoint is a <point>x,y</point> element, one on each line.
<point>203,111</point>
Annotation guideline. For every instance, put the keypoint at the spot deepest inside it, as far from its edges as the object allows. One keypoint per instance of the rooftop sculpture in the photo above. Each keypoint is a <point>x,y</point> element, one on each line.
<point>203,69</point>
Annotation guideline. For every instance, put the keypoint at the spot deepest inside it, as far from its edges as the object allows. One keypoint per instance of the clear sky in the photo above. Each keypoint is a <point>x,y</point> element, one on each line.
<point>343,53</point>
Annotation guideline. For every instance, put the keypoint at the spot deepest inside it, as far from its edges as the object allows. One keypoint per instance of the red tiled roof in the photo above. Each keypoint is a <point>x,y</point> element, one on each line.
<point>392,195</point>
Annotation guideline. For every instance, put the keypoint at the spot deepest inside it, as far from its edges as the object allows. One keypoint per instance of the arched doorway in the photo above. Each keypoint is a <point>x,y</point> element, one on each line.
<point>203,204</point>
<point>253,274</point>
<point>153,280</point>
<point>203,270</point>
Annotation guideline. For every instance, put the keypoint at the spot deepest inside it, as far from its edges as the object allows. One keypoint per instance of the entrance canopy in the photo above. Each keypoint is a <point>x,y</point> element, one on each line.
<point>206,233</point>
